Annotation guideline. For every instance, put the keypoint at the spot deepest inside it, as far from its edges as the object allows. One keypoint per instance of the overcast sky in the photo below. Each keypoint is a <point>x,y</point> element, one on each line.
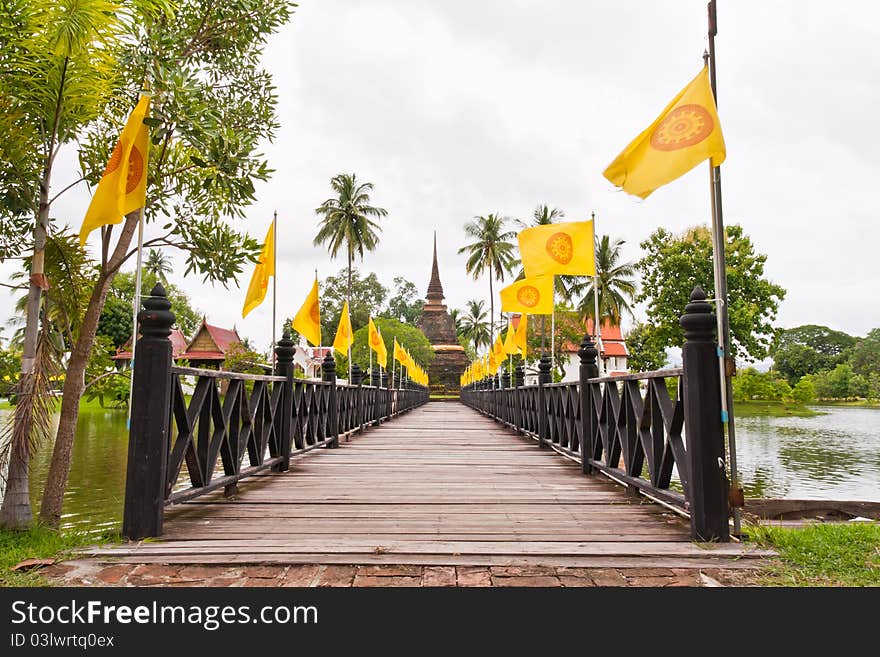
<point>461,108</point>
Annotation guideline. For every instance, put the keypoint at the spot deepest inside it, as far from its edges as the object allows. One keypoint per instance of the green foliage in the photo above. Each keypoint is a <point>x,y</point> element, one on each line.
<point>750,384</point>
<point>617,285</point>
<point>241,358</point>
<point>675,264</point>
<point>809,349</point>
<point>569,331</point>
<point>10,366</point>
<point>116,321</point>
<point>39,542</point>
<point>405,305</point>
<point>646,353</point>
<point>367,297</point>
<point>823,554</point>
<point>59,71</point>
<point>474,325</point>
<point>104,382</point>
<point>865,355</point>
<point>804,392</point>
<point>844,383</point>
<point>407,336</point>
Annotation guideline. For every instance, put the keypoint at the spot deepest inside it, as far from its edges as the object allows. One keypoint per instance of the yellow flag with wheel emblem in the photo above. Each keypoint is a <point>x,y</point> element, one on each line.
<point>530,295</point>
<point>564,248</point>
<point>308,318</point>
<point>123,185</point>
<point>510,347</point>
<point>686,133</point>
<point>265,268</point>
<point>521,336</point>
<point>344,335</point>
<point>377,344</point>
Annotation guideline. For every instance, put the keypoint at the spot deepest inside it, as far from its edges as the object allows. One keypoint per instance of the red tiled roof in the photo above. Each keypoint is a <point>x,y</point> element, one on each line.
<point>609,331</point>
<point>612,348</point>
<point>178,346</point>
<point>223,338</point>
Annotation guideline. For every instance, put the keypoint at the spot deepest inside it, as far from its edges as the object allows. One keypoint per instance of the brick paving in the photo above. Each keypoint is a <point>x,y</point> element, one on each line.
<point>93,573</point>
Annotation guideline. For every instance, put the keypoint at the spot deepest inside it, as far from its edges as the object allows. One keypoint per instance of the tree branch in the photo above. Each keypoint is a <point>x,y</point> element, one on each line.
<point>73,184</point>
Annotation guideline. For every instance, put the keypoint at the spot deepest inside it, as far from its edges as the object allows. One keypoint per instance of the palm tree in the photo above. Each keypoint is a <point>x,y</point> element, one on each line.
<point>542,215</point>
<point>491,252</point>
<point>158,264</point>
<point>474,326</point>
<point>617,285</point>
<point>346,220</point>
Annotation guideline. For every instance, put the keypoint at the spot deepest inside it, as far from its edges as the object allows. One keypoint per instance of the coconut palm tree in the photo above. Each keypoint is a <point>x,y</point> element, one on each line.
<point>474,325</point>
<point>491,253</point>
<point>617,285</point>
<point>159,264</point>
<point>346,220</point>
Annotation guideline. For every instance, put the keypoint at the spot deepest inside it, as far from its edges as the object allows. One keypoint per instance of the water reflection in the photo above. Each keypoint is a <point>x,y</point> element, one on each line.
<point>833,456</point>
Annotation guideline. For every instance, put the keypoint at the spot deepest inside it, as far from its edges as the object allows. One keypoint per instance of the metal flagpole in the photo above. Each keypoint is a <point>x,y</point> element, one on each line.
<point>274,279</point>
<point>553,328</point>
<point>720,275</point>
<point>596,323</point>
<point>134,310</point>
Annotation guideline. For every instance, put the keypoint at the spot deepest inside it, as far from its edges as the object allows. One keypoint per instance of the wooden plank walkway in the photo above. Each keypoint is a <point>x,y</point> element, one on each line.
<point>441,485</point>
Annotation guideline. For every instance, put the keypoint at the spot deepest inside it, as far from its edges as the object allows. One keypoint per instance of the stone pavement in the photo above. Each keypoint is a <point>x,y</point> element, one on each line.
<point>92,573</point>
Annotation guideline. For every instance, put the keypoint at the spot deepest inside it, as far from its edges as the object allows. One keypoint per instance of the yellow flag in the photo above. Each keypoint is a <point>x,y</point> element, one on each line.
<point>123,185</point>
<point>308,318</point>
<point>510,347</point>
<point>344,336</point>
<point>377,344</point>
<point>498,347</point>
<point>521,336</point>
<point>564,248</point>
<point>264,269</point>
<point>398,354</point>
<point>686,133</point>
<point>530,295</point>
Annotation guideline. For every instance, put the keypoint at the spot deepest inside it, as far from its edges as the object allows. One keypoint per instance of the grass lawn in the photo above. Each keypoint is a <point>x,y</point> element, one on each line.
<point>822,554</point>
<point>772,408</point>
<point>39,543</point>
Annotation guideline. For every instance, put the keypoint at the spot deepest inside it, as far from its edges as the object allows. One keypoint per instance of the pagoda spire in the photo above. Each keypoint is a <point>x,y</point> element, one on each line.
<point>435,288</point>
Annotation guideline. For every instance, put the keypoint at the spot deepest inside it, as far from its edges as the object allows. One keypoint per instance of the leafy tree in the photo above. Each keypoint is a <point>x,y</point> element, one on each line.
<point>865,357</point>
<point>346,220</point>
<point>408,336</point>
<point>836,383</point>
<point>645,351</point>
<point>490,253</point>
<point>212,108</point>
<point>104,382</point>
<point>750,384</point>
<point>809,349</point>
<point>159,265</point>
<point>475,325</point>
<point>116,320</point>
<point>405,305</point>
<point>617,286</point>
<point>367,297</point>
<point>675,264</point>
<point>568,333</point>
<point>242,358</point>
<point>804,392</point>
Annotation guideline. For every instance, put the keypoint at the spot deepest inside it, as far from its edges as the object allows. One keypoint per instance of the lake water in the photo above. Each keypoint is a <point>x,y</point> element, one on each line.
<point>832,456</point>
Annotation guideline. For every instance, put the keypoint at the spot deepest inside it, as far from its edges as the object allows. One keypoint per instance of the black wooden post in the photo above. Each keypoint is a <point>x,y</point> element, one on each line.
<point>588,370</point>
<point>375,377</point>
<point>504,396</point>
<point>148,439</point>
<point>703,427</point>
<point>357,379</point>
<point>519,379</point>
<point>284,352</point>
<point>543,419</point>
<point>328,374</point>
<point>387,394</point>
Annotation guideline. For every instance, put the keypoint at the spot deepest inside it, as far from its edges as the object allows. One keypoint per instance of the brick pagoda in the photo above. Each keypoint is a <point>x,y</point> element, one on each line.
<point>450,360</point>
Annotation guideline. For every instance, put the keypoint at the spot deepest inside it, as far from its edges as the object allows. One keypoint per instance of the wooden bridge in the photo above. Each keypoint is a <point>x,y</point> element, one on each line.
<point>441,485</point>
<point>369,473</point>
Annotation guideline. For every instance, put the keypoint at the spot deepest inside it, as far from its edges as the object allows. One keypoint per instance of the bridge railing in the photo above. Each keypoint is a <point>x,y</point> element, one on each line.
<point>630,427</point>
<point>194,431</point>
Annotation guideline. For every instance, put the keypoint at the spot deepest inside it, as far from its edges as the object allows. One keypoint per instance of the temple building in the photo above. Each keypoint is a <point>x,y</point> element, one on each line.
<point>450,359</point>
